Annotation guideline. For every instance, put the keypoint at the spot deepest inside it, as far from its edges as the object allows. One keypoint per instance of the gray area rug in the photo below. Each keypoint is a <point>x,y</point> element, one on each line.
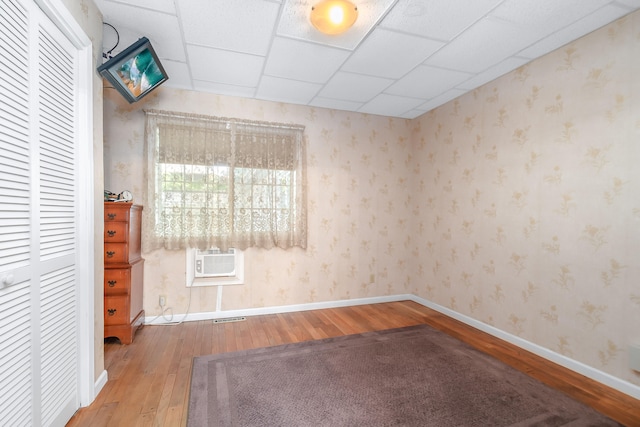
<point>415,376</point>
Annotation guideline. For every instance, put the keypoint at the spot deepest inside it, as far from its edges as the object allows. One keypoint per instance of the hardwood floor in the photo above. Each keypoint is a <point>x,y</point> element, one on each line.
<point>149,379</point>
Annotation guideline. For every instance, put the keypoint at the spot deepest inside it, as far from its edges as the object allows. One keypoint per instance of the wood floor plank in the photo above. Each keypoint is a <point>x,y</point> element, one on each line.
<point>165,398</point>
<point>174,417</point>
<point>230,336</point>
<point>206,343</point>
<point>258,333</point>
<point>274,330</point>
<point>168,341</point>
<point>218,339</point>
<point>149,379</point>
<point>315,333</point>
<point>198,339</point>
<point>135,381</point>
<point>177,403</point>
<point>129,409</point>
<point>245,336</point>
<point>102,418</point>
<point>286,330</point>
<point>292,325</point>
<point>342,319</point>
<point>145,420</point>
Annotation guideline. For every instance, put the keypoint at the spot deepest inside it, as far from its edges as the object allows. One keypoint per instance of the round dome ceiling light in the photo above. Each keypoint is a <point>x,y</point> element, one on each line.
<point>333,16</point>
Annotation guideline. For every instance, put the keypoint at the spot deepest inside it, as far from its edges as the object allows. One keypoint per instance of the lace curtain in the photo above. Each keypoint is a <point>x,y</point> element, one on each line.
<point>218,182</point>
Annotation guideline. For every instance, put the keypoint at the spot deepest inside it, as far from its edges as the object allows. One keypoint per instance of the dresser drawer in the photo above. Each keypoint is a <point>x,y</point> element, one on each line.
<point>116,232</point>
<point>116,253</point>
<point>116,212</point>
<point>117,281</point>
<point>116,310</point>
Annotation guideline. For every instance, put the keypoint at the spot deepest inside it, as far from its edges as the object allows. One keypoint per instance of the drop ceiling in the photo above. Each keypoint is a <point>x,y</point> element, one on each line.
<point>402,58</point>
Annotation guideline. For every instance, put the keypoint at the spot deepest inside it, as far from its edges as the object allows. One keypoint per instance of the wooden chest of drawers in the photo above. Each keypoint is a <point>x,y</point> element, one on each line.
<point>123,271</point>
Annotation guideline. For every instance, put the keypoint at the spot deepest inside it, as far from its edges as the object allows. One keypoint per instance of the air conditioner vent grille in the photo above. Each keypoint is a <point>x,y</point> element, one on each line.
<point>215,264</point>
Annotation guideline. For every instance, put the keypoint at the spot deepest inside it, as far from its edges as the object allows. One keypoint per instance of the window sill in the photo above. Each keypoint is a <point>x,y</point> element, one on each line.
<point>216,281</point>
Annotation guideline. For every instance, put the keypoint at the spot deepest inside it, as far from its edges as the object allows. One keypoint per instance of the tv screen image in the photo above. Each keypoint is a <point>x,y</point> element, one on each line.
<point>135,71</point>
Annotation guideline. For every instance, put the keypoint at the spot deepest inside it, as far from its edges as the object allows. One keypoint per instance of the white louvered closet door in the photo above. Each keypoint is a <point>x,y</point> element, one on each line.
<point>38,290</point>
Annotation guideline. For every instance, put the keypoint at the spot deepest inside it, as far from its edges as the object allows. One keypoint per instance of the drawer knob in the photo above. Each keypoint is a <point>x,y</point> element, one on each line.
<point>110,254</point>
<point>111,233</point>
<point>112,283</point>
<point>111,311</point>
<point>111,216</point>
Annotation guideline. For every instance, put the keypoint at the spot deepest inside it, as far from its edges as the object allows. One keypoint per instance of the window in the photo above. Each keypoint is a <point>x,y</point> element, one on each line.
<point>224,183</point>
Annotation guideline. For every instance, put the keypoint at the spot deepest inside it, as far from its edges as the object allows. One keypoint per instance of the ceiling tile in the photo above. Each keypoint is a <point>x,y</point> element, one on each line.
<point>221,66</point>
<point>441,99</point>
<point>576,30</point>
<point>546,15</point>
<point>354,87</point>
<point>486,43</point>
<point>224,89</point>
<point>383,104</point>
<point>631,4</point>
<point>336,104</point>
<point>493,73</point>
<point>411,114</point>
<point>437,19</point>
<point>224,25</point>
<point>390,54</point>
<point>178,73</point>
<point>131,24</point>
<point>427,82</point>
<point>303,61</point>
<point>165,6</point>
<point>282,90</point>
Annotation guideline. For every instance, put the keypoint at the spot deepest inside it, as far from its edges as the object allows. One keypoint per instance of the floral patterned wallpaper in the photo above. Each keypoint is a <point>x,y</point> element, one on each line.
<point>515,204</point>
<point>358,197</point>
<point>529,200</point>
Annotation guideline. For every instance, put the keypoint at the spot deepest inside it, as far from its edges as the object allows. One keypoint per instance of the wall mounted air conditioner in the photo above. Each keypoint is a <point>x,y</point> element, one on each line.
<point>213,267</point>
<point>215,263</point>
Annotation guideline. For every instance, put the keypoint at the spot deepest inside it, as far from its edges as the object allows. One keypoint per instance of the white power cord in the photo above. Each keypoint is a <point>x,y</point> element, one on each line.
<point>169,321</point>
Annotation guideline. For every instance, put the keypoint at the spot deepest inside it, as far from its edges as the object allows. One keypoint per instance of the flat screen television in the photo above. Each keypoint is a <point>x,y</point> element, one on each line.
<point>135,71</point>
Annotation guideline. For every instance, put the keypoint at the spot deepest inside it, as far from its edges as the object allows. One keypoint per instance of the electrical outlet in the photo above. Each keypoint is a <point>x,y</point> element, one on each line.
<point>372,278</point>
<point>162,300</point>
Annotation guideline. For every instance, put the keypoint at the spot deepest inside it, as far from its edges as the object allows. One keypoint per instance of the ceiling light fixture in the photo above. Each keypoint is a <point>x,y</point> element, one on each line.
<point>334,16</point>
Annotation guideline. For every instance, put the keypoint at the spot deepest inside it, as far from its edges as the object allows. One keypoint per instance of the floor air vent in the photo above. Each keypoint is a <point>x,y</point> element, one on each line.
<point>229,319</point>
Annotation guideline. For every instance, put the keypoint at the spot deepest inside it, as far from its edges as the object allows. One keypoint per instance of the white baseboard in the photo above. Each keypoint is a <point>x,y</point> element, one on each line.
<point>100,382</point>
<point>562,360</point>
<point>211,315</point>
